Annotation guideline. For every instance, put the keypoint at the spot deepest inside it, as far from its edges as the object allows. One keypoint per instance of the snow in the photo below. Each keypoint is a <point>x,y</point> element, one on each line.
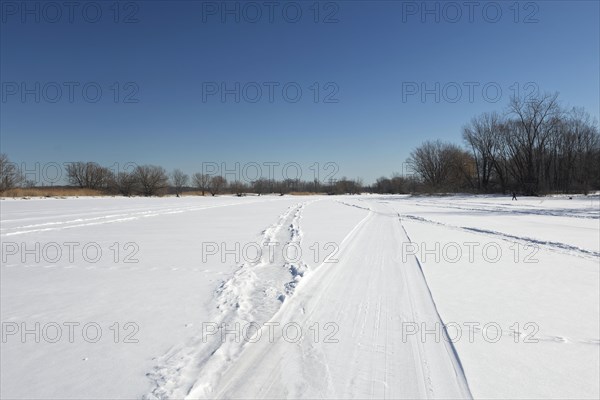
<point>370,317</point>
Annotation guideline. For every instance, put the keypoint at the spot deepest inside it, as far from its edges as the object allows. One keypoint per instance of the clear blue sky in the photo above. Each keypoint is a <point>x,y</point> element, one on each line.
<point>176,50</point>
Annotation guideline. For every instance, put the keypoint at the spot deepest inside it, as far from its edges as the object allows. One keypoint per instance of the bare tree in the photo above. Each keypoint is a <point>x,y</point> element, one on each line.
<point>530,130</point>
<point>124,183</point>
<point>201,181</point>
<point>180,180</point>
<point>260,186</point>
<point>483,136</point>
<point>464,170</point>
<point>587,150</point>
<point>152,179</point>
<point>88,175</point>
<point>383,185</point>
<point>571,160</point>
<point>398,183</point>
<point>10,176</point>
<point>216,185</point>
<point>288,185</point>
<point>438,164</point>
<point>238,187</point>
<point>76,173</point>
<point>347,186</point>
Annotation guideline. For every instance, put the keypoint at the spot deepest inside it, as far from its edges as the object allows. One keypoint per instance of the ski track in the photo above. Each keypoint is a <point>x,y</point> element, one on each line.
<point>252,295</point>
<point>548,245</point>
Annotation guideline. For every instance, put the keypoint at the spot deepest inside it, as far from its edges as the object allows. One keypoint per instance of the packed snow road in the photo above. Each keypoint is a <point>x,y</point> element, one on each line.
<point>300,297</point>
<point>365,297</point>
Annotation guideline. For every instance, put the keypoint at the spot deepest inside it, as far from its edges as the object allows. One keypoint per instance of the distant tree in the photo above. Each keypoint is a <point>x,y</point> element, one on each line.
<point>398,183</point>
<point>216,185</point>
<point>10,176</point>
<point>238,187</point>
<point>88,175</point>
<point>357,186</point>
<point>533,122</point>
<point>314,186</point>
<point>437,163</point>
<point>124,183</point>
<point>483,135</point>
<point>201,181</point>
<point>280,187</point>
<point>383,185</point>
<point>260,186</point>
<point>152,179</point>
<point>286,186</point>
<point>180,180</point>
<point>347,186</point>
<point>395,185</point>
<point>76,172</point>
<point>463,174</point>
<point>577,160</point>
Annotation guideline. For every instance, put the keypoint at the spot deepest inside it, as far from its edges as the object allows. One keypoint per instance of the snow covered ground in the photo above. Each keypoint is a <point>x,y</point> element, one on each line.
<point>300,297</point>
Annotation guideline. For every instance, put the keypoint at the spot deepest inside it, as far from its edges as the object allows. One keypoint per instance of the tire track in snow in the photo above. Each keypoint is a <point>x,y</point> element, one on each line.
<point>366,295</point>
<point>590,213</point>
<point>449,346</point>
<point>253,294</point>
<point>548,245</point>
<point>317,358</point>
<point>108,219</point>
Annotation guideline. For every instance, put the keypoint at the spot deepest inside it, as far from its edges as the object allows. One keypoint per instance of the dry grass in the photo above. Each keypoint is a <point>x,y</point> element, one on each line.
<point>51,192</point>
<point>304,193</point>
<point>195,193</point>
<point>207,194</point>
<point>80,192</point>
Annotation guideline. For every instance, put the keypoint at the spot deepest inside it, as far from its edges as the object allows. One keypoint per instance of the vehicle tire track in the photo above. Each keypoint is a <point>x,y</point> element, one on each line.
<point>376,363</point>
<point>253,294</point>
<point>558,247</point>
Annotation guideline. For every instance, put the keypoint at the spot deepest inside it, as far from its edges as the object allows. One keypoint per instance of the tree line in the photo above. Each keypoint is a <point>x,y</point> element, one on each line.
<point>534,146</point>
<point>154,180</point>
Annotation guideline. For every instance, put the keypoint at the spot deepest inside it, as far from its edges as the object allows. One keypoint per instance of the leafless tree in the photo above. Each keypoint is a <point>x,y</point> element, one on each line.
<point>533,122</point>
<point>201,181</point>
<point>287,186</point>
<point>10,176</point>
<point>238,187</point>
<point>88,175</point>
<point>216,185</point>
<point>260,186</point>
<point>483,136</point>
<point>574,161</point>
<point>383,185</point>
<point>124,183</point>
<point>180,180</point>
<point>152,179</point>
<point>347,186</point>
<point>438,163</point>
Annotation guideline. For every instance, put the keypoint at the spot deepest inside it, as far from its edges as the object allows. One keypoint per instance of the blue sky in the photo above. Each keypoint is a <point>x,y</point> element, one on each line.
<point>361,56</point>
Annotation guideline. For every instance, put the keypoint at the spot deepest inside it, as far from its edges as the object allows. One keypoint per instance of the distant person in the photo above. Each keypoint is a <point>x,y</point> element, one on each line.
<point>514,195</point>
